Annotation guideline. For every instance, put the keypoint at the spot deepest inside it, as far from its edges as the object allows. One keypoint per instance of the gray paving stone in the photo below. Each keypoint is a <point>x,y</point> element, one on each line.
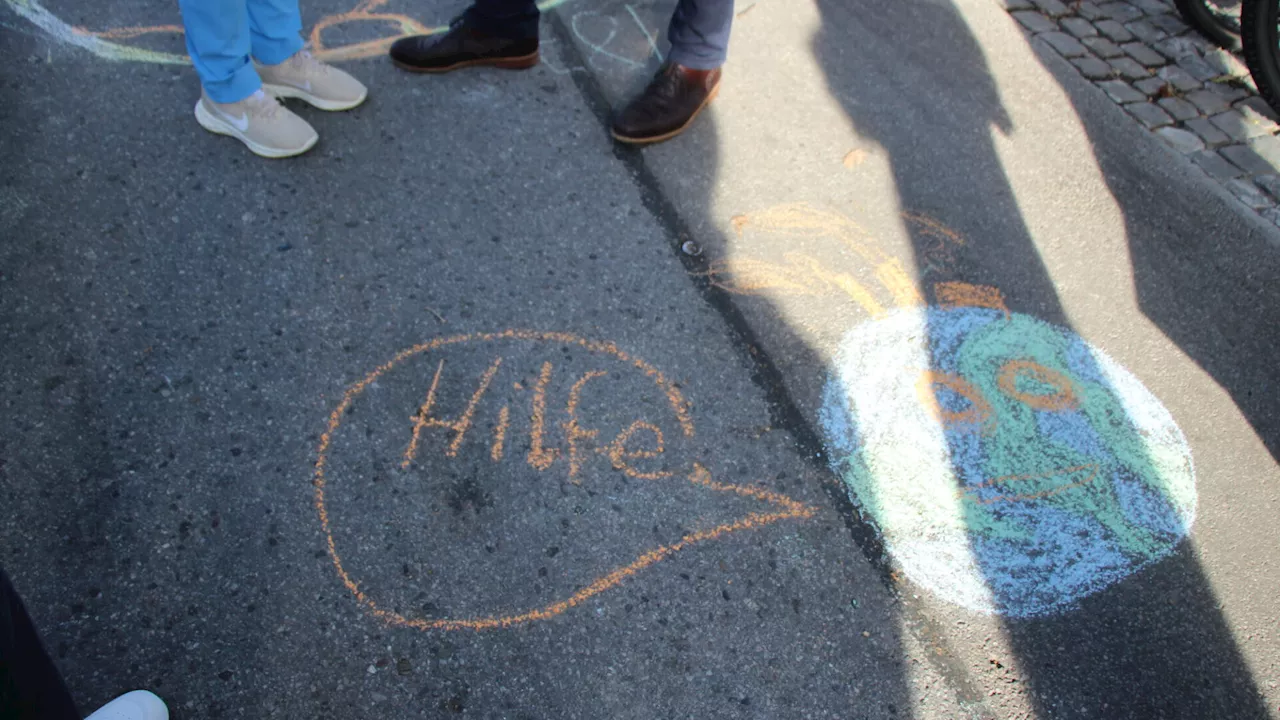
<point>1120,11</point>
<point>1146,32</point>
<point>1149,114</point>
<point>1226,63</point>
<point>1121,91</point>
<point>1179,79</point>
<point>1210,103</point>
<point>1144,54</point>
<point>1272,215</point>
<point>1176,48</point>
<point>1198,68</point>
<point>1245,122</point>
<point>1184,141</point>
<point>1012,5</point>
<point>1245,158</point>
<point>1270,183</point>
<point>1114,30</point>
<point>1250,194</point>
<point>1093,68</point>
<point>1254,119</point>
<point>1152,7</point>
<point>1268,147</point>
<point>1052,8</point>
<point>1207,131</point>
<point>1180,109</point>
<point>1227,91</point>
<point>1152,87</point>
<point>1129,69</point>
<point>1066,45</point>
<point>1102,47</point>
<point>1079,27</point>
<point>1035,22</point>
<point>1169,23</point>
<point>1257,106</point>
<point>1212,163</point>
<point>1233,124</point>
<point>1090,11</point>
<point>1202,43</point>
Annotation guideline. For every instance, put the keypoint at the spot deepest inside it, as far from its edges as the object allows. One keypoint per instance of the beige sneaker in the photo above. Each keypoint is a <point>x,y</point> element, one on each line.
<point>259,121</point>
<point>306,78</point>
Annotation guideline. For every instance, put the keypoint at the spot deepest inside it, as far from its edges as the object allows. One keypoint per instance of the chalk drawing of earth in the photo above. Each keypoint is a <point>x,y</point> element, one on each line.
<point>1010,466</point>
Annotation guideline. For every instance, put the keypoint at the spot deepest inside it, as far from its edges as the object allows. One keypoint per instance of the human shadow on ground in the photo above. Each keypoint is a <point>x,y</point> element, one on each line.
<point>1154,643</point>
<point>864,681</point>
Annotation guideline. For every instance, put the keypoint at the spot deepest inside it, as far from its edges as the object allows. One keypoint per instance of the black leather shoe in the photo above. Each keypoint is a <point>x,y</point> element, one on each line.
<point>667,106</point>
<point>463,46</point>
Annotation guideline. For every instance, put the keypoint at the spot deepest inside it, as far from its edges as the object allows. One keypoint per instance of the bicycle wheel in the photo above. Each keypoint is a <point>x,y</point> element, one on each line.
<point>1218,20</point>
<point>1262,46</point>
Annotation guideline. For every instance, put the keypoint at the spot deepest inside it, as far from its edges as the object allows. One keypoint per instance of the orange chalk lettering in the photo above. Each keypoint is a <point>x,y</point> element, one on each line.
<point>500,433</point>
<point>619,454</point>
<point>420,420</point>
<point>573,431</point>
<point>539,457</point>
<point>785,508</point>
<point>459,426</point>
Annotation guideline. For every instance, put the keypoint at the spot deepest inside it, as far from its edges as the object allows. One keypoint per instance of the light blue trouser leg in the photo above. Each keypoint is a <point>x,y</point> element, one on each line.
<point>223,34</point>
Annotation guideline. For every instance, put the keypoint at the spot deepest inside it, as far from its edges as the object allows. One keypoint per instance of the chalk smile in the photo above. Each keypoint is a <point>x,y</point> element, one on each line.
<point>1033,486</point>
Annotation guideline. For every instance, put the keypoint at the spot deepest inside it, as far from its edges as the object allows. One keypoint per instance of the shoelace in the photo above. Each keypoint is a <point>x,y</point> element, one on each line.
<point>263,105</point>
<point>664,88</point>
<point>308,63</point>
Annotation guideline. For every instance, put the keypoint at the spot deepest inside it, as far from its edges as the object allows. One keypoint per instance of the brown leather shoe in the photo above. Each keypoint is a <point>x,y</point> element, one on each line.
<point>463,46</point>
<point>667,106</point>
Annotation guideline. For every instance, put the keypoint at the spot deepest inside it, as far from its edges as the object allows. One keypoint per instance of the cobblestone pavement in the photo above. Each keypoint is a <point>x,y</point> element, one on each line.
<point>1197,97</point>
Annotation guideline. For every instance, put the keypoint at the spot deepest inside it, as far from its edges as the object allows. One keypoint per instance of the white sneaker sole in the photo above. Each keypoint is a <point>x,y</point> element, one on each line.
<point>137,705</point>
<point>288,91</point>
<point>216,125</point>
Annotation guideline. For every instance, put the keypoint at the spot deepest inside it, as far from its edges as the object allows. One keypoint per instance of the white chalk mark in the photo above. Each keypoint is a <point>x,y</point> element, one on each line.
<point>600,47</point>
<point>555,67</point>
<point>653,44</point>
<point>32,10</point>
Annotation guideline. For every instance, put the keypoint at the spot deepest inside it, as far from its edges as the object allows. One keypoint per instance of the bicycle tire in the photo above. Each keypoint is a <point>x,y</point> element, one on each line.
<point>1221,27</point>
<point>1262,46</point>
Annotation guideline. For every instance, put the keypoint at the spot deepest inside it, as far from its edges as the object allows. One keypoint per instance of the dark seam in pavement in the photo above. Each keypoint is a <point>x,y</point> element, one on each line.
<point>783,411</point>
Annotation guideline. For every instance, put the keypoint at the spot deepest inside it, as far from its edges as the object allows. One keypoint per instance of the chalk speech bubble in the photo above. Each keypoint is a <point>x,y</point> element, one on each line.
<point>636,451</point>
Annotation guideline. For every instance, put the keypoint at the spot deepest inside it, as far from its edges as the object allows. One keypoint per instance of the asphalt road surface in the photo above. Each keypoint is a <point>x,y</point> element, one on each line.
<point>915,381</point>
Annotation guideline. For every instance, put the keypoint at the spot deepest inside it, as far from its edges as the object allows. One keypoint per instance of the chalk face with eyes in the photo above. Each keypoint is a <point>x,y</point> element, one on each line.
<point>1010,466</point>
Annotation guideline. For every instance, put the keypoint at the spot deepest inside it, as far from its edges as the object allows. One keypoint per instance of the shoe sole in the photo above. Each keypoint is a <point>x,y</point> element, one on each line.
<point>650,140</point>
<point>524,62</point>
<point>213,124</point>
<point>288,91</point>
